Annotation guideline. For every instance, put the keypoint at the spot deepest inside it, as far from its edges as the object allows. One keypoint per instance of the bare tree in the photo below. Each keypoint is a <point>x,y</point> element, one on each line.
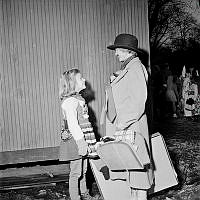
<point>185,28</point>
<point>170,24</point>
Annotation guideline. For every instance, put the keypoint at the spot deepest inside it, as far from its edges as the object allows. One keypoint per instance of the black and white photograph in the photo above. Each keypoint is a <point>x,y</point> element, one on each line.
<point>100,99</point>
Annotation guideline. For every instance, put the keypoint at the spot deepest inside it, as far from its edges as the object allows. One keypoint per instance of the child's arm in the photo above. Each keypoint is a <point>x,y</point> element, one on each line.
<point>69,107</point>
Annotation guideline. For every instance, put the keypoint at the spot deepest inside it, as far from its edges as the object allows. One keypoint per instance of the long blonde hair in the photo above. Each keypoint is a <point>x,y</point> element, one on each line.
<point>67,84</point>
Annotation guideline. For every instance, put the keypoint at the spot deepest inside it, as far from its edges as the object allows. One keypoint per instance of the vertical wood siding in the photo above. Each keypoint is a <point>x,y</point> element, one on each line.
<point>42,38</point>
<point>1,70</point>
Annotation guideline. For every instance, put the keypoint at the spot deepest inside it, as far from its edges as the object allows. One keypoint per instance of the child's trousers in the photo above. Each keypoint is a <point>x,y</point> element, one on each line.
<point>77,177</point>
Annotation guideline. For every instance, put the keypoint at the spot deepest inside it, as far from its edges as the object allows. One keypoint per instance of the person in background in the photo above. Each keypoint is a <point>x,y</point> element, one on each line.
<point>156,91</point>
<point>126,101</point>
<point>165,73</point>
<point>185,92</point>
<point>190,94</point>
<point>197,102</point>
<point>77,136</point>
<point>172,93</point>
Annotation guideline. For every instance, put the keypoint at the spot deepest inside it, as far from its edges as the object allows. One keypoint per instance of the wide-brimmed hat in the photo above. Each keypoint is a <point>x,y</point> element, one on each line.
<point>125,41</point>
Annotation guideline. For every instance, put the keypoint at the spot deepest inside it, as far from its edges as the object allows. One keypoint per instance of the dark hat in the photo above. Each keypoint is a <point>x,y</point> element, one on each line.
<point>126,41</point>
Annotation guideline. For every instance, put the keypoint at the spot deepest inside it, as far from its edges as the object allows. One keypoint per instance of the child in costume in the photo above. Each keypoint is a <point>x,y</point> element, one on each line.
<point>77,136</point>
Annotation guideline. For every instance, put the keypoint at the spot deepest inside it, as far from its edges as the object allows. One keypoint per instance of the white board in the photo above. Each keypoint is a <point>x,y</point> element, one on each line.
<point>110,190</point>
<point>165,175</point>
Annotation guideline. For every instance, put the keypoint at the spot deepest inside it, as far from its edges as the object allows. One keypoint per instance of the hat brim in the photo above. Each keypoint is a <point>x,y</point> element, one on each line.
<point>113,47</point>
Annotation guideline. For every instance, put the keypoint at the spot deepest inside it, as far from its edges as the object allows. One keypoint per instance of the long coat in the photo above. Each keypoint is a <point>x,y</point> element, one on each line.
<point>129,91</point>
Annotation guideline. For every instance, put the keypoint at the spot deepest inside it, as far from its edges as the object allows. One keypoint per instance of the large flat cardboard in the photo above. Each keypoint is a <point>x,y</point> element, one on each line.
<point>165,175</point>
<point>110,190</point>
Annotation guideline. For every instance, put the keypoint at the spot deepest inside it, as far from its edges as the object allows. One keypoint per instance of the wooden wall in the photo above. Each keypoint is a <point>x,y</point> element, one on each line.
<point>42,38</point>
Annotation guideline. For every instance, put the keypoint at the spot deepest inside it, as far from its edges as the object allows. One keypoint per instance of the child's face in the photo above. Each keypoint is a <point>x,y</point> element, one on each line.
<point>80,83</point>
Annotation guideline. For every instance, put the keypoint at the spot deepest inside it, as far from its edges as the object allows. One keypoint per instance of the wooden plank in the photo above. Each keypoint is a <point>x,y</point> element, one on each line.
<point>31,181</point>
<point>29,155</point>
<point>1,78</point>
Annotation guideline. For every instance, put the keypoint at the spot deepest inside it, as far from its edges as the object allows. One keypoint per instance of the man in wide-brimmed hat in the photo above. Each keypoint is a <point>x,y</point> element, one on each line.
<point>125,108</point>
<point>126,41</point>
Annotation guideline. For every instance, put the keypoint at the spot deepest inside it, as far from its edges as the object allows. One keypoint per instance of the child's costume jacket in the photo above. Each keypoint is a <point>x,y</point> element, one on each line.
<point>75,111</point>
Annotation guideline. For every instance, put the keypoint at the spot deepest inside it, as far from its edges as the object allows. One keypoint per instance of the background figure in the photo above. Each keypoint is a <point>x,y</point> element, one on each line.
<point>179,84</point>
<point>126,99</point>
<point>192,96</point>
<point>197,102</point>
<point>77,137</point>
<point>165,72</point>
<point>156,91</point>
<point>172,94</point>
<point>185,89</point>
<point>190,92</point>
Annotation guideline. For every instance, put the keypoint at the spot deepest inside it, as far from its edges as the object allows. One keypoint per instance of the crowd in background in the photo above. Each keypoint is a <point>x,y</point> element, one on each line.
<point>176,95</point>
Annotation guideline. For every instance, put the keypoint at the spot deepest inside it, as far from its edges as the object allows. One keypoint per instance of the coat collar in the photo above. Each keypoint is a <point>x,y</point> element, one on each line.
<point>127,61</point>
<point>120,76</point>
<point>125,69</point>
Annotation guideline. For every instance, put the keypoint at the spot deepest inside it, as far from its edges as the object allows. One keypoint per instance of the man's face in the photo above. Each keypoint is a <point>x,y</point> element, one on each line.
<point>122,54</point>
